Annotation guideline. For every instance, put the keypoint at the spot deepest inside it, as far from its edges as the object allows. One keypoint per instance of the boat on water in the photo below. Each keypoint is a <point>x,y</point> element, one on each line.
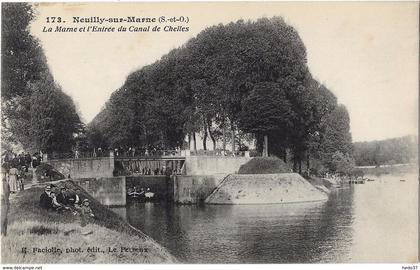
<point>140,196</point>
<point>357,181</point>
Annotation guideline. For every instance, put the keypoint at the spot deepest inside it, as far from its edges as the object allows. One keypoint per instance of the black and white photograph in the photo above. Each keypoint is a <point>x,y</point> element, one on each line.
<point>209,133</point>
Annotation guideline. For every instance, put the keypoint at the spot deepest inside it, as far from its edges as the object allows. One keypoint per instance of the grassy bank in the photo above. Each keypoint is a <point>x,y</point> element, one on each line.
<point>31,227</point>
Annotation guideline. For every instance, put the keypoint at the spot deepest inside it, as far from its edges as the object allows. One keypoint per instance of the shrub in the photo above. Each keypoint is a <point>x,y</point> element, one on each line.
<point>264,165</point>
<point>42,230</point>
<point>48,172</point>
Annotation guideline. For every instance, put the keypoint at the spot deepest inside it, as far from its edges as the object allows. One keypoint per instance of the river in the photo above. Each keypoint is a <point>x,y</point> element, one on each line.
<point>372,222</point>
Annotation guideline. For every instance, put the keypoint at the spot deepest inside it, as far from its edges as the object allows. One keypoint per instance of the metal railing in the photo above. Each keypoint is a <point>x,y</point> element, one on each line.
<point>143,153</point>
<point>219,152</point>
<point>119,154</point>
<point>77,155</point>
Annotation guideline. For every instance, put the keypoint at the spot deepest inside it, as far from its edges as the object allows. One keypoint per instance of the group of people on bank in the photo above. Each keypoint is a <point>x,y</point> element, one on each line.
<point>16,166</point>
<point>22,161</point>
<point>66,200</point>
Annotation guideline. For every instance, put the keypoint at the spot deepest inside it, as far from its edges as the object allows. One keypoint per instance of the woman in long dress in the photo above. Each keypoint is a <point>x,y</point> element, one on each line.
<point>13,179</point>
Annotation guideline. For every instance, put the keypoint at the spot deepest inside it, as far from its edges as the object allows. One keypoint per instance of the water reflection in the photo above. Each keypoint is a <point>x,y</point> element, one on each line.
<point>350,226</point>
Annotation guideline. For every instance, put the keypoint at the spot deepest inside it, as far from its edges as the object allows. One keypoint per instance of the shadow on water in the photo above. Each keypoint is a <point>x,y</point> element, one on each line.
<point>278,233</point>
<point>351,226</point>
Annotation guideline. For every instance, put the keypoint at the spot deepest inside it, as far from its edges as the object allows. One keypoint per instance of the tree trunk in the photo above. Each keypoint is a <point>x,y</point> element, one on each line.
<point>211,134</point>
<point>205,135</point>
<point>265,147</point>
<point>233,139</point>
<point>300,166</point>
<point>224,137</point>
<point>189,141</point>
<point>294,164</point>
<point>308,165</point>
<point>260,143</point>
<point>195,142</point>
<point>284,155</point>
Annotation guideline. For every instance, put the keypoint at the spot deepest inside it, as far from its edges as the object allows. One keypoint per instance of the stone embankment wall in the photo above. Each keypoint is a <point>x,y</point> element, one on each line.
<point>265,189</point>
<point>107,190</point>
<point>191,189</point>
<point>210,165</point>
<point>85,167</point>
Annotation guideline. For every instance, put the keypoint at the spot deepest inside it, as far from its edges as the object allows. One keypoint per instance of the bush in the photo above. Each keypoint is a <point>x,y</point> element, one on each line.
<point>42,230</point>
<point>264,165</point>
<point>48,172</point>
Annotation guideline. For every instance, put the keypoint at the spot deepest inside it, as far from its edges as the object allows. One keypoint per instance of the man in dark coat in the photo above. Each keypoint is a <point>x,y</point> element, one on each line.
<point>62,196</point>
<point>45,200</point>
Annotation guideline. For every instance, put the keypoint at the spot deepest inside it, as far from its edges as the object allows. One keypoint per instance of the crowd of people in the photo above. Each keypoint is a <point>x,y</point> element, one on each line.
<point>22,161</point>
<point>157,171</point>
<point>132,151</point>
<point>17,165</point>
<point>66,200</point>
<point>149,150</point>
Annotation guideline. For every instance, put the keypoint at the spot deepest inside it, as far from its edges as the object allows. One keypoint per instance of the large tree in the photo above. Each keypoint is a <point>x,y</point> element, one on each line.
<point>243,77</point>
<point>35,112</point>
<point>267,112</point>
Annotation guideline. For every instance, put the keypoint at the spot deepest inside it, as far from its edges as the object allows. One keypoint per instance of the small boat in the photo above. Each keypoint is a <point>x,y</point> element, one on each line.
<point>149,196</point>
<point>133,194</point>
<point>370,180</point>
<point>356,182</point>
<point>402,180</point>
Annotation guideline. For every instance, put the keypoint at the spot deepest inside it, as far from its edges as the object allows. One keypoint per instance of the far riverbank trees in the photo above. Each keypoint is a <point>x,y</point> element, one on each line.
<point>243,78</point>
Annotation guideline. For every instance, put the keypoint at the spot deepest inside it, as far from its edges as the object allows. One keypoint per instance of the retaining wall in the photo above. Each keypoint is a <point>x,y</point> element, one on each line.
<point>107,190</point>
<point>210,165</point>
<point>84,168</point>
<point>190,189</point>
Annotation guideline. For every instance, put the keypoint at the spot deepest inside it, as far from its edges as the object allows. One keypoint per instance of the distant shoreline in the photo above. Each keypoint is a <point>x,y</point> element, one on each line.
<point>385,166</point>
<point>390,169</point>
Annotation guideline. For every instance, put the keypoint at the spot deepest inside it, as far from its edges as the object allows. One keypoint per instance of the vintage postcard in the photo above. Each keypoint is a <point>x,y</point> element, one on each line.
<point>209,132</point>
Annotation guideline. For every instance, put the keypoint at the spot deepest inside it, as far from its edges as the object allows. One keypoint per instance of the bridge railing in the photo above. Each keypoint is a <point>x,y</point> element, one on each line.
<point>119,154</point>
<point>219,152</point>
<point>152,153</point>
<point>77,154</point>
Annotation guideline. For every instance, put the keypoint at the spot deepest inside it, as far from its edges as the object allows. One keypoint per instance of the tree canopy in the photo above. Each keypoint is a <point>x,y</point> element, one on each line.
<point>240,78</point>
<point>36,113</point>
<point>386,152</point>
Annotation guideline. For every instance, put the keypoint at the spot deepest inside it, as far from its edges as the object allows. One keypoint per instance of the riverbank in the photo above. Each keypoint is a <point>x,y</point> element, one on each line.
<point>51,237</point>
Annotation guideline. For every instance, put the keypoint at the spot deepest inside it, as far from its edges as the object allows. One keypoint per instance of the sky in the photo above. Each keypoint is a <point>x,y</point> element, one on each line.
<point>365,53</point>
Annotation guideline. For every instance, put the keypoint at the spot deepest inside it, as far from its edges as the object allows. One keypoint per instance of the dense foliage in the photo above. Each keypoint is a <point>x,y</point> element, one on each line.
<point>386,152</point>
<point>229,81</point>
<point>35,112</point>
